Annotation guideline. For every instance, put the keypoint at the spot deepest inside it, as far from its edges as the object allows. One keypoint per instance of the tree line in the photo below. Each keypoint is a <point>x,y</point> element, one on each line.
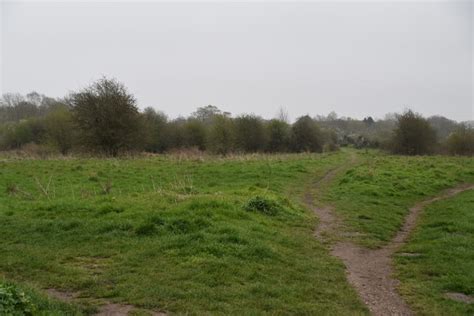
<point>104,118</point>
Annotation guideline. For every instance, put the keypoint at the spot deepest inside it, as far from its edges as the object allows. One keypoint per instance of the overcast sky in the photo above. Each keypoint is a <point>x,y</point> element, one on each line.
<point>354,58</point>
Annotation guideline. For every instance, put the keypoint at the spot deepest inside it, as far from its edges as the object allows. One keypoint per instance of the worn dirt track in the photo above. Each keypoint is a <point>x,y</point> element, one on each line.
<point>106,309</point>
<point>370,271</point>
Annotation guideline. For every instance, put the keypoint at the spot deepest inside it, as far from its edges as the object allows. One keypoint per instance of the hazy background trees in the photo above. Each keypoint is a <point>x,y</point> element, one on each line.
<point>60,131</point>
<point>104,118</point>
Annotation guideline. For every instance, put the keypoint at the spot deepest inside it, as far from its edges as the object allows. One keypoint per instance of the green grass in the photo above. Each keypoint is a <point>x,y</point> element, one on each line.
<point>444,239</point>
<point>19,301</point>
<point>185,236</point>
<point>222,236</point>
<point>373,197</point>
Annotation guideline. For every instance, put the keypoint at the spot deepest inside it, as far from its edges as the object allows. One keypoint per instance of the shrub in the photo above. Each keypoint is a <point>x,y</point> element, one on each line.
<point>155,130</point>
<point>278,136</point>
<point>262,205</point>
<point>413,135</point>
<point>306,135</point>
<point>107,117</point>
<point>249,133</point>
<point>14,301</point>
<point>195,134</point>
<point>461,141</point>
<point>16,135</point>
<point>221,136</point>
<point>60,131</point>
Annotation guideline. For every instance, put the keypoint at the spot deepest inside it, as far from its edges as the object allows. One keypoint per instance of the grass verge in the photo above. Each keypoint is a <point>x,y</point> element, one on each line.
<point>373,197</point>
<point>442,260</point>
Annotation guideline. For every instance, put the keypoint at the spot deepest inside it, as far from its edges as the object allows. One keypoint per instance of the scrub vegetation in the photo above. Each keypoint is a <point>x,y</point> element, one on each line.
<point>105,119</point>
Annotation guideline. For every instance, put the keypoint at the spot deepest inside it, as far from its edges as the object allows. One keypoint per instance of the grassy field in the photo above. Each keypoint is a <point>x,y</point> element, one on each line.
<point>221,236</point>
<point>444,243</point>
<point>374,195</point>
<point>225,236</point>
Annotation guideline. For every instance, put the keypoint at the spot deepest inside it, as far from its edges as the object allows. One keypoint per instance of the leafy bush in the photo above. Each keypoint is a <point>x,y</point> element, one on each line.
<point>461,141</point>
<point>262,205</point>
<point>14,301</point>
<point>306,135</point>
<point>413,135</point>
<point>278,132</point>
<point>107,117</point>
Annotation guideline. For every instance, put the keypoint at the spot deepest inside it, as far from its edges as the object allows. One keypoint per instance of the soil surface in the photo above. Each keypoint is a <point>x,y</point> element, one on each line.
<point>114,309</point>
<point>370,271</point>
<point>106,309</point>
<point>460,297</point>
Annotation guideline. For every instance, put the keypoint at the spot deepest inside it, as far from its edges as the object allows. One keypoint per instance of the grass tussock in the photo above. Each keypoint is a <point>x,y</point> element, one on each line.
<point>263,205</point>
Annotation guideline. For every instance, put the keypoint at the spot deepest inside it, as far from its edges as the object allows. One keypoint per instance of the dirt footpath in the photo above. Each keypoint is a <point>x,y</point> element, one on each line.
<point>370,271</point>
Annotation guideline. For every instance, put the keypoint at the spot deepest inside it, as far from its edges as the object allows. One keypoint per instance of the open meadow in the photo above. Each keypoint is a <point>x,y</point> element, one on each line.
<point>201,234</point>
<point>187,236</point>
<point>236,158</point>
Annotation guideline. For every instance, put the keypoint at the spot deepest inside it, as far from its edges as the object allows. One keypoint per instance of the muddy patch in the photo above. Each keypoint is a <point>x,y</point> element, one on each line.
<point>105,309</point>
<point>114,310</point>
<point>91,265</point>
<point>62,295</point>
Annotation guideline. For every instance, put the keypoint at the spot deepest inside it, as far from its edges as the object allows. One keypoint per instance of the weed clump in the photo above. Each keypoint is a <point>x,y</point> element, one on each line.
<point>262,205</point>
<point>146,229</point>
<point>180,226</point>
<point>106,187</point>
<point>14,301</point>
<point>11,189</point>
<point>116,227</point>
<point>106,209</point>
<point>93,177</point>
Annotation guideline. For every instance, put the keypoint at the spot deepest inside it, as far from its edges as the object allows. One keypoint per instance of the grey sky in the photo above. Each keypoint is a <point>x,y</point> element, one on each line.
<point>356,58</point>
